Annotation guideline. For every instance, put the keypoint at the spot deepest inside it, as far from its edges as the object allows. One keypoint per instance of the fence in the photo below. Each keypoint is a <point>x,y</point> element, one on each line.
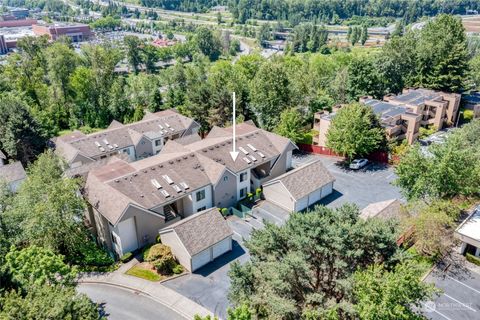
<point>377,156</point>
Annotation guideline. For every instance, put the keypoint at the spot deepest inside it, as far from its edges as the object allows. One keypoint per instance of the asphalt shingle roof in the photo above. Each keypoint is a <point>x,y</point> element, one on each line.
<point>12,172</point>
<point>305,179</point>
<point>201,230</point>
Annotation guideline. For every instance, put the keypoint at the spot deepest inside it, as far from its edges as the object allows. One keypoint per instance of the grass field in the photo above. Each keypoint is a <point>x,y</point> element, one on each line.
<point>142,271</point>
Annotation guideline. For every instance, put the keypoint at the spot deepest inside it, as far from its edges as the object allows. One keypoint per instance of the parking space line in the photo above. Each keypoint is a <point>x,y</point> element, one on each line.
<point>463,304</point>
<point>433,310</point>
<point>463,284</point>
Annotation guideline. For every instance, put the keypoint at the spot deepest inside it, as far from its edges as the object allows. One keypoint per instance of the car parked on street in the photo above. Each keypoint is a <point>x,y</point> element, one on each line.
<point>358,164</point>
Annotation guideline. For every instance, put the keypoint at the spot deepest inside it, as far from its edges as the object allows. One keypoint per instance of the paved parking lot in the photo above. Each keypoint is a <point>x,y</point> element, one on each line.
<point>372,183</point>
<point>460,297</point>
<point>209,285</point>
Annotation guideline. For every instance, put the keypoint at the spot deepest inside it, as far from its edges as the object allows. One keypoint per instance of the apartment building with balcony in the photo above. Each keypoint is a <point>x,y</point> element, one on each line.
<point>402,115</point>
<point>437,109</point>
<point>134,141</point>
<point>131,202</point>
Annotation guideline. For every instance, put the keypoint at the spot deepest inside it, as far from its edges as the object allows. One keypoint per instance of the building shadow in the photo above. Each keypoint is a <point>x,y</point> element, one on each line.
<point>236,252</point>
<point>328,199</point>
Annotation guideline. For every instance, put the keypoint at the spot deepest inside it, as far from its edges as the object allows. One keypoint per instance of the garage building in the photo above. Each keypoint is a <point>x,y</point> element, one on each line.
<point>300,188</point>
<point>198,239</point>
<point>469,233</point>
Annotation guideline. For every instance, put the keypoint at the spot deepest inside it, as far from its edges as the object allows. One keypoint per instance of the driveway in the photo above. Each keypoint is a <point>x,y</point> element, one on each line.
<point>122,304</point>
<point>371,184</point>
<point>209,285</point>
<point>460,299</point>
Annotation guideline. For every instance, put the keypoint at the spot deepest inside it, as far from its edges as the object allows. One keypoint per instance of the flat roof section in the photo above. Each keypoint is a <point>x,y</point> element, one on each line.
<point>471,226</point>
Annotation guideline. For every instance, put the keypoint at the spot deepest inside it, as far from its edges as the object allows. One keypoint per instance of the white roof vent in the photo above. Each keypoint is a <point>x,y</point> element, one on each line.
<point>165,193</point>
<point>171,129</point>
<point>184,185</point>
<point>261,154</point>
<point>160,126</point>
<point>167,178</point>
<point>176,188</point>
<point>102,149</point>
<point>246,160</point>
<point>252,147</point>
<point>156,184</point>
<point>105,141</point>
<point>115,145</point>
<point>168,126</point>
<point>110,147</point>
<point>98,144</point>
<point>243,150</point>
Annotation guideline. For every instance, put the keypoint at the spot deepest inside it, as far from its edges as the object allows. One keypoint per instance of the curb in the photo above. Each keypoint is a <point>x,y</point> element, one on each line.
<point>137,290</point>
<point>174,277</point>
<point>428,273</point>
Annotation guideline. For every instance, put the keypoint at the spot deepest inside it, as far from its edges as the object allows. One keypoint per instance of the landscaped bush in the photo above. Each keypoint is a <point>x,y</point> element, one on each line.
<point>224,211</point>
<point>90,254</point>
<point>156,252</point>
<point>158,239</point>
<point>126,257</point>
<point>468,115</point>
<point>473,259</point>
<point>165,264</point>
<point>178,269</point>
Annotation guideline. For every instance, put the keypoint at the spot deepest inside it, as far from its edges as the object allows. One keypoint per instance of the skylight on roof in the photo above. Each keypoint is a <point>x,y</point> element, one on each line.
<point>168,126</point>
<point>246,160</point>
<point>156,184</point>
<point>102,149</point>
<point>165,193</point>
<point>110,147</point>
<point>253,158</point>
<point>98,144</point>
<point>261,154</point>
<point>252,147</point>
<point>171,129</point>
<point>167,178</point>
<point>160,126</point>
<point>115,145</point>
<point>184,185</point>
<point>105,141</point>
<point>243,150</point>
<point>176,188</point>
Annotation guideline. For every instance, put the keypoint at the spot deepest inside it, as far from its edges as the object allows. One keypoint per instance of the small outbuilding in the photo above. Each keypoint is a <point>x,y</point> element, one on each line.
<point>198,239</point>
<point>300,188</point>
<point>469,233</point>
<point>389,209</point>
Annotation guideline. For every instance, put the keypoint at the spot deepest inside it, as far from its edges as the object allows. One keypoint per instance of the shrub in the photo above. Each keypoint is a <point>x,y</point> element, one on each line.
<point>178,269</point>
<point>90,254</point>
<point>126,257</point>
<point>468,115</point>
<point>158,239</point>
<point>156,252</point>
<point>165,264</point>
<point>258,191</point>
<point>224,211</point>
<point>473,259</point>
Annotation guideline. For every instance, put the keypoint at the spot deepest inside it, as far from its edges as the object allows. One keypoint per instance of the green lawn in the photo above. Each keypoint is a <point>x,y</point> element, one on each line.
<point>139,271</point>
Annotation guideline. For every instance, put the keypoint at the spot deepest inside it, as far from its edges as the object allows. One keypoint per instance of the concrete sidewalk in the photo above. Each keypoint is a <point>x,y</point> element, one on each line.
<point>158,292</point>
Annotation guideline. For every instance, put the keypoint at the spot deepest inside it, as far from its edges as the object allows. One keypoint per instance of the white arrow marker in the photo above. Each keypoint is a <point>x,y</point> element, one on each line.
<point>234,152</point>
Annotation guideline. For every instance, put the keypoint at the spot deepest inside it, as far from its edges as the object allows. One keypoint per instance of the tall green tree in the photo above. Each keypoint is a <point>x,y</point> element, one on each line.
<point>355,131</point>
<point>20,135</point>
<point>133,51</point>
<point>442,54</point>
<point>303,268</point>
<point>390,294</point>
<point>208,43</point>
<point>291,125</point>
<point>47,210</point>
<point>270,93</point>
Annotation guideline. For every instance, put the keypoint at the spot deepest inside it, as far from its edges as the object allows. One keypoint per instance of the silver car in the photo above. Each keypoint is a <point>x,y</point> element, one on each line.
<point>358,164</point>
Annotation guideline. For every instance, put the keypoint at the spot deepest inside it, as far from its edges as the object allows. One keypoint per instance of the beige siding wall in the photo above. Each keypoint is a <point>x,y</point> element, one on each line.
<point>102,228</point>
<point>277,194</point>
<point>147,225</point>
<point>224,194</point>
<point>79,159</point>
<point>144,148</point>
<point>280,166</point>
<point>171,239</point>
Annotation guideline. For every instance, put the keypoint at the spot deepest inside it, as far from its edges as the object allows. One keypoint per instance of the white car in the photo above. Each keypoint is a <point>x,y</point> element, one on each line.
<point>358,164</point>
